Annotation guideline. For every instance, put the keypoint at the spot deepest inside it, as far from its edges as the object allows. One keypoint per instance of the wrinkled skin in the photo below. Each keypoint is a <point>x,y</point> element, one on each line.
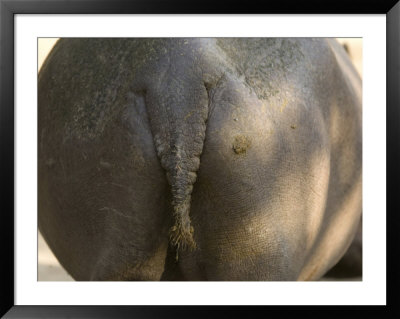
<point>199,159</point>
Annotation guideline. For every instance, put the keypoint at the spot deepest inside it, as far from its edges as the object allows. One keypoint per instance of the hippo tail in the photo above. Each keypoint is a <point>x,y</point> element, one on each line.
<point>178,111</point>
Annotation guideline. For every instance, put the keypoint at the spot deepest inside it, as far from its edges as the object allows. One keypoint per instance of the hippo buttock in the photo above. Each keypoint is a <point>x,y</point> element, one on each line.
<point>235,159</point>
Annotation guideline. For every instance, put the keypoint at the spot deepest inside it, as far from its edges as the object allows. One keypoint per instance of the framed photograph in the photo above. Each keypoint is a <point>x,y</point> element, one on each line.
<point>172,43</point>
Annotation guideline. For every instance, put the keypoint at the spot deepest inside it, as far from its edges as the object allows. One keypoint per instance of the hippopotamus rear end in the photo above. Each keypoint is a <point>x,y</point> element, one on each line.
<point>199,158</point>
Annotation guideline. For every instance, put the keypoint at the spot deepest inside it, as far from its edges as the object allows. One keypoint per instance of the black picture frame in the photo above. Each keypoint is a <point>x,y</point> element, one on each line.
<point>8,10</point>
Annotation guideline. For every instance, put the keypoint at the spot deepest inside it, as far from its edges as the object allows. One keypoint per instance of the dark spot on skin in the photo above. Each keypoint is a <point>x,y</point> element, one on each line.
<point>293,126</point>
<point>346,48</point>
<point>240,144</point>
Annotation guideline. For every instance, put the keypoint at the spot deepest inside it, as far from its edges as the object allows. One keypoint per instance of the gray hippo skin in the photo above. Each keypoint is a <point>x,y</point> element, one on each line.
<point>199,159</point>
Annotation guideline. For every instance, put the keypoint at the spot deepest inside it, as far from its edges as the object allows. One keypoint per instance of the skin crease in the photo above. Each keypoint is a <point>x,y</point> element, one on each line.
<point>199,159</point>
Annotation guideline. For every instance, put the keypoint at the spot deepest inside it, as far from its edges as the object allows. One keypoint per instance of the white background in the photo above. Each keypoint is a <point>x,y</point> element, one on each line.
<point>372,290</point>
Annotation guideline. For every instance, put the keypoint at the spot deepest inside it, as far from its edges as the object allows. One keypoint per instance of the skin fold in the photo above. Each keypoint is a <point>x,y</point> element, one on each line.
<point>199,158</point>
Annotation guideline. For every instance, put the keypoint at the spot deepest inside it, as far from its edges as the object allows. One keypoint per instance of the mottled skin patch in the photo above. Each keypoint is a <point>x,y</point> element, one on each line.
<point>272,56</point>
<point>240,144</point>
